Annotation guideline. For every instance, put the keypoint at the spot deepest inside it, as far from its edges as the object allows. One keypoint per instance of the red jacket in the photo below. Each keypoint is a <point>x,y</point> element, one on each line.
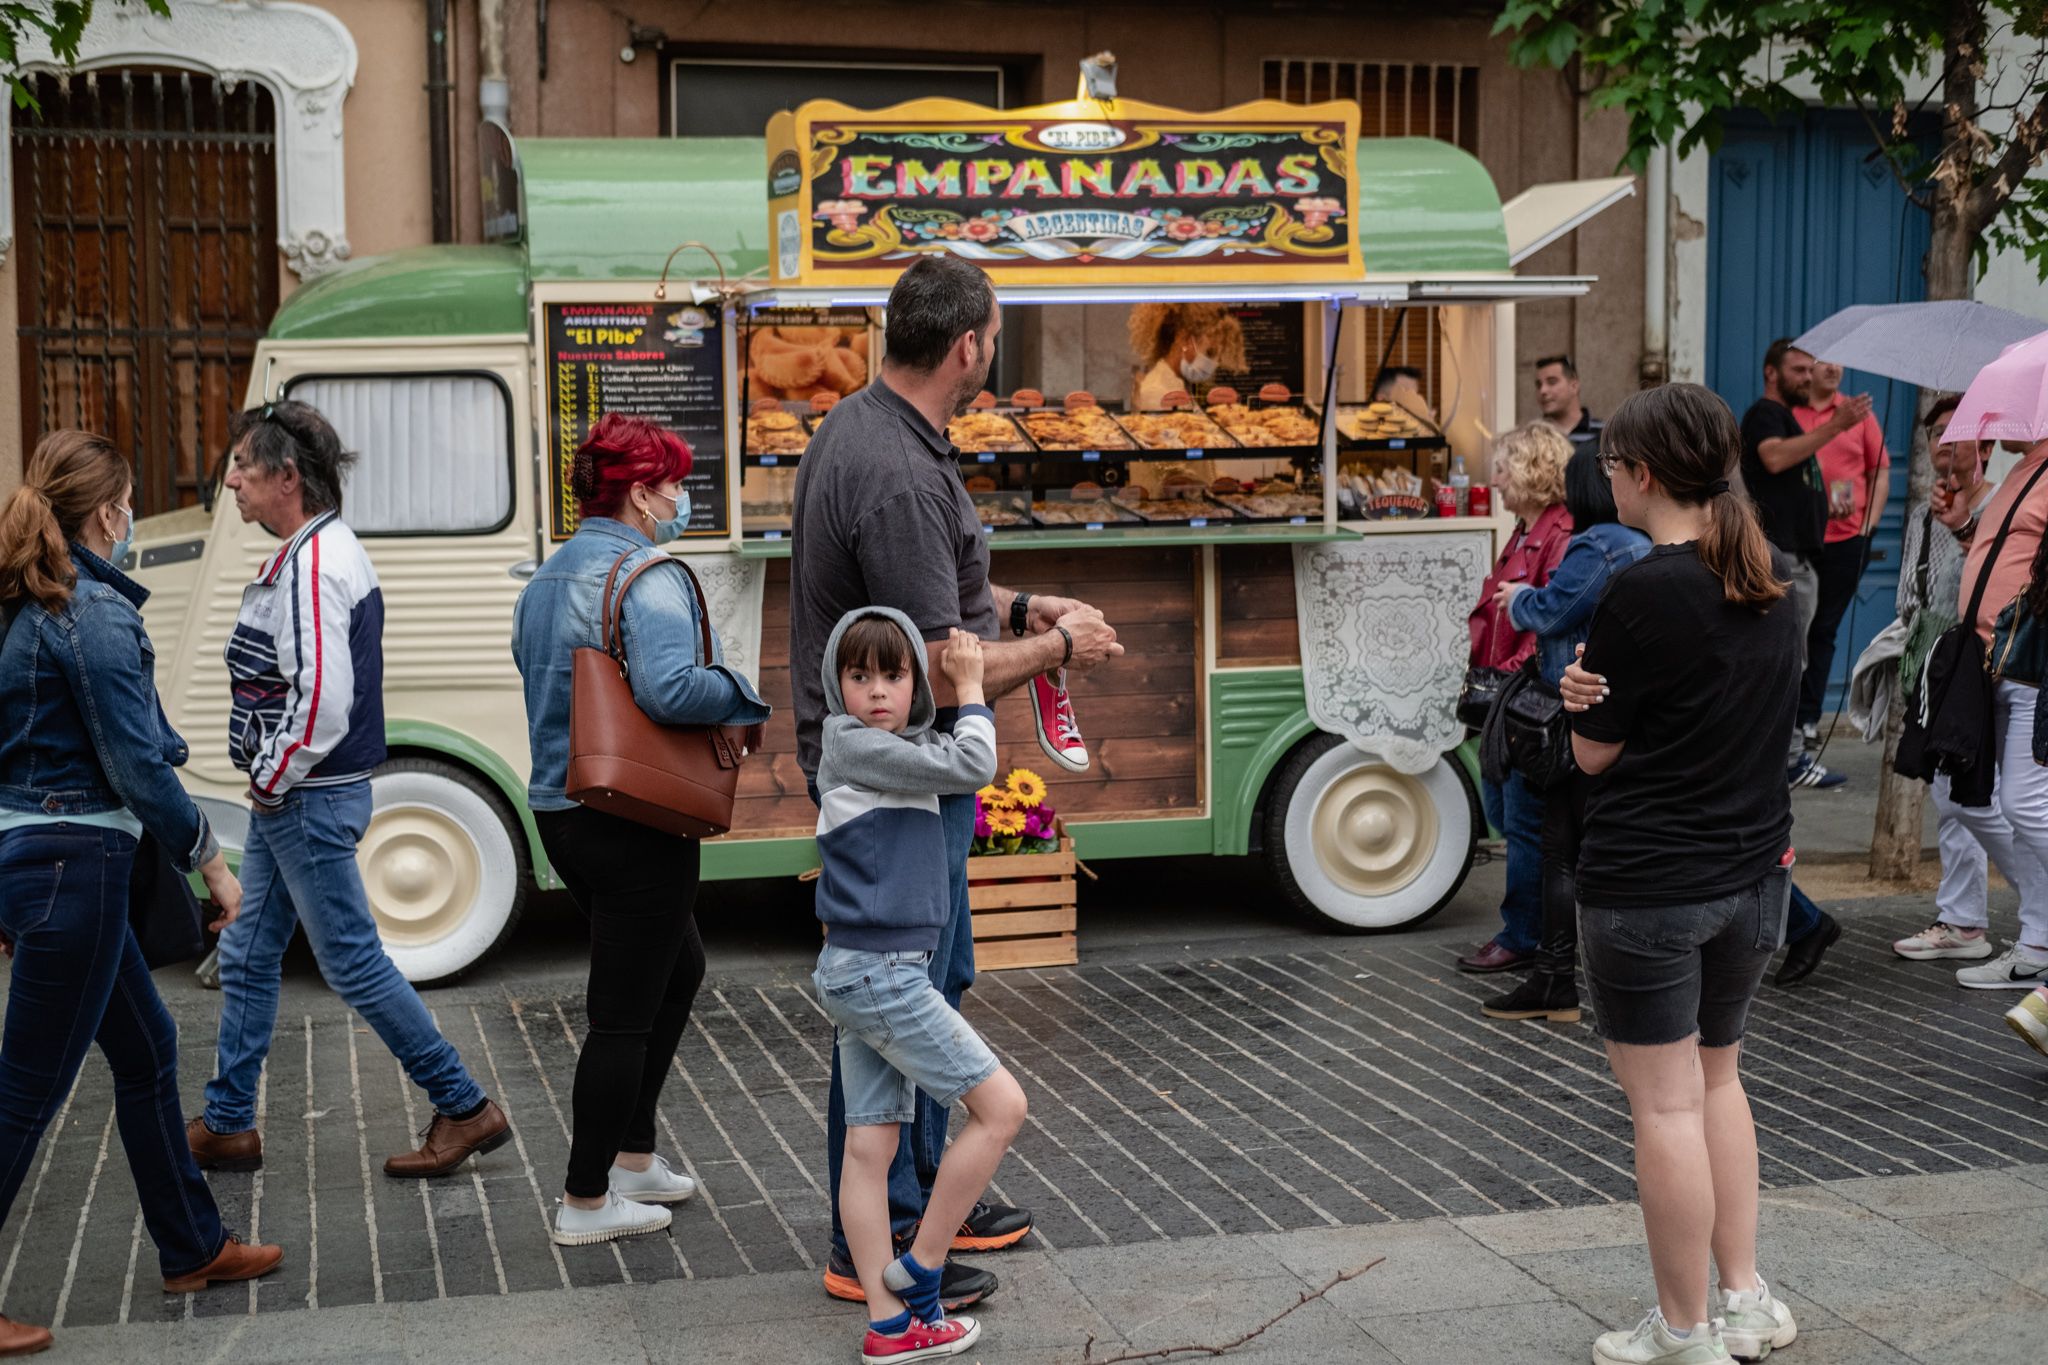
<point>1532,554</point>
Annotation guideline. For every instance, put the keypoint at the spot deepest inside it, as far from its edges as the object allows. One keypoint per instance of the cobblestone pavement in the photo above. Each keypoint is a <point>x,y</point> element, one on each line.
<point>1319,1084</point>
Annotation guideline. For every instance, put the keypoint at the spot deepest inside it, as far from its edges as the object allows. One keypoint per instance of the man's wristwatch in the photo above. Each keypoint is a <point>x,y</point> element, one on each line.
<point>1020,614</point>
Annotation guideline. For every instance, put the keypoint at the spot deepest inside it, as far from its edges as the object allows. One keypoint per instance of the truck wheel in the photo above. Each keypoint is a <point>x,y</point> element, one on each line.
<point>1359,846</point>
<point>445,873</point>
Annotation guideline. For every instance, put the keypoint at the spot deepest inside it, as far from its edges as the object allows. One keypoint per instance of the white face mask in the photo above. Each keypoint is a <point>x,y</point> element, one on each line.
<point>1199,368</point>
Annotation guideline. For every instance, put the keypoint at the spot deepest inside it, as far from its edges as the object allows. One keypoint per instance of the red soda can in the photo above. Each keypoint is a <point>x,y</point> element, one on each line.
<point>1446,500</point>
<point>1482,500</point>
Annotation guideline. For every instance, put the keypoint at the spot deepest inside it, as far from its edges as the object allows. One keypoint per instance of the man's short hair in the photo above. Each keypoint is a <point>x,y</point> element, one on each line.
<point>1563,362</point>
<point>289,434</point>
<point>1938,415</point>
<point>1774,357</point>
<point>934,303</point>
<point>1392,372</point>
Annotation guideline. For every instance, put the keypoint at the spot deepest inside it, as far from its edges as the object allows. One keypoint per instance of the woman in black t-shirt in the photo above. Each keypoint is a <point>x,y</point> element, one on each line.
<point>1682,896</point>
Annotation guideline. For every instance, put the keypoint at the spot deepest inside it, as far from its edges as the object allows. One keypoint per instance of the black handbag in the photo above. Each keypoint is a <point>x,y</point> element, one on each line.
<point>1533,728</point>
<point>1482,689</point>
<point>1958,690</point>
<point>162,910</point>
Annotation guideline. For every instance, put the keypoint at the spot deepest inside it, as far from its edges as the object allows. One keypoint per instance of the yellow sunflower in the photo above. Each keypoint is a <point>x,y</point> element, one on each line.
<point>993,797</point>
<point>1027,788</point>
<point>1005,821</point>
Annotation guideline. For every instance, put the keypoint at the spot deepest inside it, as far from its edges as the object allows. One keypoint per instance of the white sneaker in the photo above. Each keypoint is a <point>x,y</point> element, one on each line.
<point>1753,1323</point>
<point>660,1183</point>
<point>1651,1343</point>
<point>618,1218</point>
<point>2014,970</point>
<point>1943,940</point>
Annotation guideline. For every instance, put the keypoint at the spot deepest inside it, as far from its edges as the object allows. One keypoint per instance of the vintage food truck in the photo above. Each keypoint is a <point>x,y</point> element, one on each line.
<point>1295,630</point>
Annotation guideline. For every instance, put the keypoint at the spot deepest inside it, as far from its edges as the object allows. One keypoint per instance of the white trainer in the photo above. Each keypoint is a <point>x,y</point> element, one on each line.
<point>2014,970</point>
<point>619,1217</point>
<point>660,1183</point>
<point>1651,1343</point>
<point>1944,940</point>
<point>1753,1323</point>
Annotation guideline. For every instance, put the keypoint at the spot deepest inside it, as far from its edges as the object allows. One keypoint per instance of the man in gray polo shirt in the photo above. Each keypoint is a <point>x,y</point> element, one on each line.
<point>883,519</point>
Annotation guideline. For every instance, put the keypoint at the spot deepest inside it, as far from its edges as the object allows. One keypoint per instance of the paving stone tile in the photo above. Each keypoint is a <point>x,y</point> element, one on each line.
<point>584,1325</point>
<point>1426,1266</point>
<point>1519,1234</point>
<point>1967,1192</point>
<point>1842,1346</point>
<point>1517,1335</point>
<point>2013,1244</point>
<point>1995,1323</point>
<point>1614,1285</point>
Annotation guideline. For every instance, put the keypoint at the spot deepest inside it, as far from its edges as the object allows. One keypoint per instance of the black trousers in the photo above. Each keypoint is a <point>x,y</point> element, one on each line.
<point>1564,822</point>
<point>1841,568</point>
<point>637,886</point>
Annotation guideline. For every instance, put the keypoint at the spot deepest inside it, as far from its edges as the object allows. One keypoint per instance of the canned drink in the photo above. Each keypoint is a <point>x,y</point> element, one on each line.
<point>1482,500</point>
<point>1446,500</point>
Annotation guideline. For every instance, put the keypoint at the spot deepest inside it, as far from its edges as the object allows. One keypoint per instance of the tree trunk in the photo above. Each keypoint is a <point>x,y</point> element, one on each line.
<point>1895,842</point>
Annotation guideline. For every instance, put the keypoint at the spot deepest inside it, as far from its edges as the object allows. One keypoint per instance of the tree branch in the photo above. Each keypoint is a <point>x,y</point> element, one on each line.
<point>1884,149</point>
<point>1308,1296</point>
<point>2027,142</point>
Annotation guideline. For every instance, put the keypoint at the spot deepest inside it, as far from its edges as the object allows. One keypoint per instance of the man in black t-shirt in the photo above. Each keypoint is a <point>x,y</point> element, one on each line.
<point>1781,471</point>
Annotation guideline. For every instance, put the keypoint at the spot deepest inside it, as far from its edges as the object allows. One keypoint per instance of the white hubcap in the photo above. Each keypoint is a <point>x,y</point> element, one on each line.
<point>422,869</point>
<point>1374,830</point>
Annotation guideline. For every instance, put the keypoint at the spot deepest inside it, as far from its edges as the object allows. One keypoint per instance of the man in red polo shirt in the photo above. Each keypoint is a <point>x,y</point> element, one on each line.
<point>1856,469</point>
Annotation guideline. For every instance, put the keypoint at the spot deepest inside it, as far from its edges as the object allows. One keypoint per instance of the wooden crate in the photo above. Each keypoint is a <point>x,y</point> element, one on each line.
<point>1023,907</point>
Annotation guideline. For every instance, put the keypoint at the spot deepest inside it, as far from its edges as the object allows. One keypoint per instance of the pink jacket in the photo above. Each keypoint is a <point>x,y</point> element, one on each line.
<point>1531,555</point>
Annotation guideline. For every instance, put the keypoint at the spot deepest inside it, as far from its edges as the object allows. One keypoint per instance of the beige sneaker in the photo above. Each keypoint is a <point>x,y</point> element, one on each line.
<point>1753,1323</point>
<point>1651,1343</point>
<point>1943,940</point>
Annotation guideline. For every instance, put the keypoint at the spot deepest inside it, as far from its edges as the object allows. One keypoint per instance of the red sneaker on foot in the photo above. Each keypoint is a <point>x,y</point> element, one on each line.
<point>1059,734</point>
<point>919,1342</point>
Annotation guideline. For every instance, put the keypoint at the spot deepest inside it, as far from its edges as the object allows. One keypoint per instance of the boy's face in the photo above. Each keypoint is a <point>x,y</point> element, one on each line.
<point>880,697</point>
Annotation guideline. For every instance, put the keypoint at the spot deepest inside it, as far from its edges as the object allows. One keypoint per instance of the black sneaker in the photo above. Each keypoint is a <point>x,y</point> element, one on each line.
<point>959,1287</point>
<point>1540,996</point>
<point>991,1227</point>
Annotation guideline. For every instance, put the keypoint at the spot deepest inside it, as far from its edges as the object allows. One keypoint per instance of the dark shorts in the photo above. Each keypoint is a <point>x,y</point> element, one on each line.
<point>1659,974</point>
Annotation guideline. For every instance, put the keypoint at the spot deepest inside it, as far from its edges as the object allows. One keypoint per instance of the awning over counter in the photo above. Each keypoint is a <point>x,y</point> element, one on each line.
<point>1541,214</point>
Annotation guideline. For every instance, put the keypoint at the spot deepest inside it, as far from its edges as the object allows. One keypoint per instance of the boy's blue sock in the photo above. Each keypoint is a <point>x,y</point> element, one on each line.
<point>917,1287</point>
<point>891,1327</point>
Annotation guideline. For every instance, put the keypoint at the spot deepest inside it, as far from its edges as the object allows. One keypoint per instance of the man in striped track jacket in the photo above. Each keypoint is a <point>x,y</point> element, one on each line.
<point>306,663</point>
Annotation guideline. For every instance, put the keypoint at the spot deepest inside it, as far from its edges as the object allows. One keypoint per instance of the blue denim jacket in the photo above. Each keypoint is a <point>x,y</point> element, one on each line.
<point>1561,609</point>
<point>558,614</point>
<point>84,731</point>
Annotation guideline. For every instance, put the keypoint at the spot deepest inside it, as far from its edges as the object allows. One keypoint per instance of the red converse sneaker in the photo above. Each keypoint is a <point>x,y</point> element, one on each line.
<point>919,1342</point>
<point>1059,734</point>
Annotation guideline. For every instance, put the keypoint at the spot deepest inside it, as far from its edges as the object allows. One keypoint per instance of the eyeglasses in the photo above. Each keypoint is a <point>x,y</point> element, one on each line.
<point>1609,463</point>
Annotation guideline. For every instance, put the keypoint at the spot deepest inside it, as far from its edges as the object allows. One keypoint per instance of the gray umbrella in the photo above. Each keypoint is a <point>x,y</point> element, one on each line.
<point>1938,346</point>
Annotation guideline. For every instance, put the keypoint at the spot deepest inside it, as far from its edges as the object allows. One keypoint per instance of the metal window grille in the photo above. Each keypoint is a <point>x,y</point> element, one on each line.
<point>1395,99</point>
<point>146,205</point>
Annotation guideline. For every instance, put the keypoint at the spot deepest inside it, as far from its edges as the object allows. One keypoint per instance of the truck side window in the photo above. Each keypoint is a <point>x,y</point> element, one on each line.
<point>434,451</point>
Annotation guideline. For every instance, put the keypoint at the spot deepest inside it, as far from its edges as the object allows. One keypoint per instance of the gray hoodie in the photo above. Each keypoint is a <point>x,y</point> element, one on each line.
<point>885,884</point>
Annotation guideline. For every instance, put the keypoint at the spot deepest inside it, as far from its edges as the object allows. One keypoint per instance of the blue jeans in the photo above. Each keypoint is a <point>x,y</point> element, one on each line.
<point>1517,813</point>
<point>79,978</point>
<point>300,867</point>
<point>952,971</point>
<point>1803,917</point>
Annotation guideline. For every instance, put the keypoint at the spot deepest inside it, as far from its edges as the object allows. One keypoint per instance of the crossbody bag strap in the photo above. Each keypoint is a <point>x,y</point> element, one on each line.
<point>1991,560</point>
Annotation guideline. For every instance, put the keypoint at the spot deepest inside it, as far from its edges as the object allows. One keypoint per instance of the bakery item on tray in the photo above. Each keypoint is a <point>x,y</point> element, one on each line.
<point>1174,430</point>
<point>1085,428</point>
<point>1284,425</point>
<point>776,432</point>
<point>1077,510</point>
<point>983,432</point>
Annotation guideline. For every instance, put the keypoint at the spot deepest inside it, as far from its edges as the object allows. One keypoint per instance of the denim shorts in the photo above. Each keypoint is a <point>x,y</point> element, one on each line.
<point>897,1035</point>
<point>1661,973</point>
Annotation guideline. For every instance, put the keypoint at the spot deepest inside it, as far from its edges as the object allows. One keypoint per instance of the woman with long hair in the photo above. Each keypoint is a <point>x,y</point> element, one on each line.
<point>1693,663</point>
<point>86,766</point>
<point>635,884</point>
<point>1529,464</point>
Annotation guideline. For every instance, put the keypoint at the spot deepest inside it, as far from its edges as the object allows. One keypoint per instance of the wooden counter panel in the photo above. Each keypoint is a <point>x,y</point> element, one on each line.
<point>1138,715</point>
<point>1255,605</point>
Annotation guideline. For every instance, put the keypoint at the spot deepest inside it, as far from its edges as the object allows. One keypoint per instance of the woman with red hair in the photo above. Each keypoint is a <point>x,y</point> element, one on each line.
<point>635,884</point>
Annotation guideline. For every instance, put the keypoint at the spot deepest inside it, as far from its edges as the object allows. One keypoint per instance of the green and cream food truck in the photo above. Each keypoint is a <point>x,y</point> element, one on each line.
<point>1295,622</point>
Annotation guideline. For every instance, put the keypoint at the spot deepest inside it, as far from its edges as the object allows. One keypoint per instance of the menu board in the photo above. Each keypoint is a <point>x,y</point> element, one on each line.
<point>661,361</point>
<point>1275,348</point>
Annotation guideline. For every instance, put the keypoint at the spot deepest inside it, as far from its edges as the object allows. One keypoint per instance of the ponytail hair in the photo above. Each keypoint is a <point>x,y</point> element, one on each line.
<point>71,475</point>
<point>1687,438</point>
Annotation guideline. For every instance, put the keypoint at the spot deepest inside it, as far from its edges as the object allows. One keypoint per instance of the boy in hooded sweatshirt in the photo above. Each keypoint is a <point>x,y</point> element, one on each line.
<point>883,896</point>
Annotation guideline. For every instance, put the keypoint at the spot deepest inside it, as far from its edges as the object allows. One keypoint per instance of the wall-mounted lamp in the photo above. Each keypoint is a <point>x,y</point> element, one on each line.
<point>639,36</point>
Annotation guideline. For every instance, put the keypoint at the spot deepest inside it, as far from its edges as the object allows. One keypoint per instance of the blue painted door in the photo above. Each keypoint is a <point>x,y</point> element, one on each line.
<point>1803,221</point>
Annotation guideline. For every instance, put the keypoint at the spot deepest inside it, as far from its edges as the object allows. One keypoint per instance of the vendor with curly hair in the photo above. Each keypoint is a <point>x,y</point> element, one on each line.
<point>1181,346</point>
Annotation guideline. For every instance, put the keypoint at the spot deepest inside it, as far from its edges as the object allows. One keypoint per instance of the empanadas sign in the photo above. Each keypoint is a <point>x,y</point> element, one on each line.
<point>1066,193</point>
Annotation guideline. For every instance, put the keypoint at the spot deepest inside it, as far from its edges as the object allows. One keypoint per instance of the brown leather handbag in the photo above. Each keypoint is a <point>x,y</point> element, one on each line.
<point>676,778</point>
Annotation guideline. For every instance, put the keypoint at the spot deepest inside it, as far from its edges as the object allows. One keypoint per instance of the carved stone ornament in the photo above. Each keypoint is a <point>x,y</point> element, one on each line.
<point>302,55</point>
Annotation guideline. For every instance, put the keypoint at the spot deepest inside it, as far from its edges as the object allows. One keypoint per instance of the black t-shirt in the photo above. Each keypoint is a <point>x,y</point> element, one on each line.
<point>1701,694</point>
<point>1793,504</point>
<point>1586,435</point>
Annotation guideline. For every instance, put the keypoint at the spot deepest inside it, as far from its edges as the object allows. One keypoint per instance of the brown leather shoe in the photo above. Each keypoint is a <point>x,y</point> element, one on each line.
<point>238,1260</point>
<point>450,1142</point>
<point>224,1151</point>
<point>1491,957</point>
<point>22,1338</point>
